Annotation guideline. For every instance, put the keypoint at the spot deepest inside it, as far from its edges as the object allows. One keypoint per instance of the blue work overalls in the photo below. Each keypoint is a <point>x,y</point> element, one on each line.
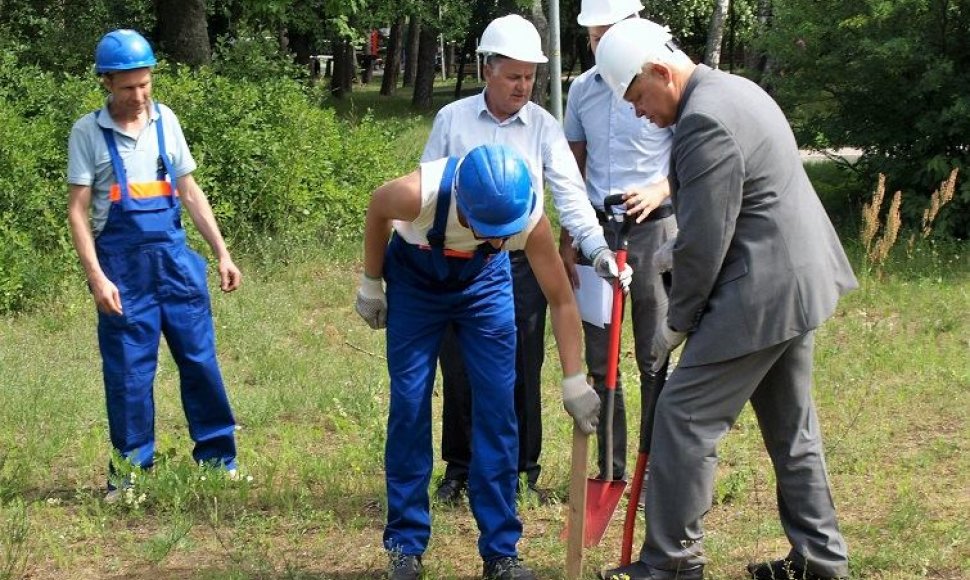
<point>426,289</point>
<point>162,284</point>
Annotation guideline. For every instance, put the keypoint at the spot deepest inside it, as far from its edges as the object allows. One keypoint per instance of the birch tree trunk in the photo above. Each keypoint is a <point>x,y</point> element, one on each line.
<point>715,34</point>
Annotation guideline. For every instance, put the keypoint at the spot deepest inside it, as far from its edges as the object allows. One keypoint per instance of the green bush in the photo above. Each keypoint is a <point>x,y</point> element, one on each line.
<point>890,77</point>
<point>280,171</point>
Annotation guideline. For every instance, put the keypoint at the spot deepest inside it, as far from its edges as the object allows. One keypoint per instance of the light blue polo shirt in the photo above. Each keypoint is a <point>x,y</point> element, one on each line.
<point>622,151</point>
<point>89,163</point>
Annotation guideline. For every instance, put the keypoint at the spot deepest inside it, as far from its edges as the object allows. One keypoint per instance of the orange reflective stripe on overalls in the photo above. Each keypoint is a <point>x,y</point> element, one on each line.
<point>142,190</point>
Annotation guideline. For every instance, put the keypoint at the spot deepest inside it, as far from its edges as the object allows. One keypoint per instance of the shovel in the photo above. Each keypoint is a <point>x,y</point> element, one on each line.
<point>603,495</point>
<point>647,412</point>
<point>593,501</point>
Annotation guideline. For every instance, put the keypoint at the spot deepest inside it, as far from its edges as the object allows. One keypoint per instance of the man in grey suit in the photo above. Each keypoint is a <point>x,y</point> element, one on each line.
<point>756,267</point>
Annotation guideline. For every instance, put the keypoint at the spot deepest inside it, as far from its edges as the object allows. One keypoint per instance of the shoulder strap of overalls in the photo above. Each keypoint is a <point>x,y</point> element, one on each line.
<point>482,253</point>
<point>436,235</point>
<point>121,176</point>
<point>162,153</point>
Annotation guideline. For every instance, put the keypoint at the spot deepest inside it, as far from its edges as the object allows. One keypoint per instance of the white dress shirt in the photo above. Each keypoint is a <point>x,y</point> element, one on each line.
<point>467,123</point>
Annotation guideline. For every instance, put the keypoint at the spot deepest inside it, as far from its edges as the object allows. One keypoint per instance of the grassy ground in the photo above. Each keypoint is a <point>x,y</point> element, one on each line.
<point>309,387</point>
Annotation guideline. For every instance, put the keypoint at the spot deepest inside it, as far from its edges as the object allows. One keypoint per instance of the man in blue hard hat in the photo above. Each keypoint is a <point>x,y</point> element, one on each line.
<point>454,221</point>
<point>503,113</point>
<point>129,174</point>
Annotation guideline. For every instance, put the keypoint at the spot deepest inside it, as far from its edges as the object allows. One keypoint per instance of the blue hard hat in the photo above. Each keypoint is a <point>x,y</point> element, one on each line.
<point>122,50</point>
<point>494,191</point>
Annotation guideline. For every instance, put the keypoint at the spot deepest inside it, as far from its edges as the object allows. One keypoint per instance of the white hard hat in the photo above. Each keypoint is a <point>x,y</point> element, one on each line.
<point>514,37</point>
<point>627,46</point>
<point>607,12</point>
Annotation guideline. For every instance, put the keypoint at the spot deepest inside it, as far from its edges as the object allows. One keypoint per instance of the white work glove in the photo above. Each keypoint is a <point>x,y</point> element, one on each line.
<point>581,402</point>
<point>663,258</point>
<point>604,263</point>
<point>371,302</point>
<point>665,340</point>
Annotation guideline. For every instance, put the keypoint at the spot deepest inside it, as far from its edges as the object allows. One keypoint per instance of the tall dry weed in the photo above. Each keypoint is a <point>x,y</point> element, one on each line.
<point>940,197</point>
<point>877,250</point>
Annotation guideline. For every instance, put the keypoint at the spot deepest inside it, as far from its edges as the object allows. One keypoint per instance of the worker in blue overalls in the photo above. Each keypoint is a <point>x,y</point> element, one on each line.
<point>130,168</point>
<point>453,222</point>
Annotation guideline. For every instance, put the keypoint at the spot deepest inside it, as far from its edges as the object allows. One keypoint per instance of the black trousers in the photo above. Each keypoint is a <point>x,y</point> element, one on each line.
<point>530,322</point>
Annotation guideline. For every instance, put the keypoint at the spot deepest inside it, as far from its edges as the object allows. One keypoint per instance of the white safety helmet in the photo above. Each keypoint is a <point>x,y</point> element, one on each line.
<point>514,37</point>
<point>607,12</point>
<point>627,46</point>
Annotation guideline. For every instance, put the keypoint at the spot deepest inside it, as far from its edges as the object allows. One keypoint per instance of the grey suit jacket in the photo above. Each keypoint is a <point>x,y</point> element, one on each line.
<point>757,261</point>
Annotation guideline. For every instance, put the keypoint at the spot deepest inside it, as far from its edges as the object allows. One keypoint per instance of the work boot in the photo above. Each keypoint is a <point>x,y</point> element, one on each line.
<point>784,569</point>
<point>450,491</point>
<point>404,567</point>
<point>506,568</point>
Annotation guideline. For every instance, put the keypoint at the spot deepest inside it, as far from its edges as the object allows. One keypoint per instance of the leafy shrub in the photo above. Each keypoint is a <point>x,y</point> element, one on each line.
<point>887,76</point>
<point>280,171</point>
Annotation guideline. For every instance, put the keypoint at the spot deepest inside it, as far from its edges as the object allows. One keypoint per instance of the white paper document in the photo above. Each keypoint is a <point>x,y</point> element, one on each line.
<point>594,297</point>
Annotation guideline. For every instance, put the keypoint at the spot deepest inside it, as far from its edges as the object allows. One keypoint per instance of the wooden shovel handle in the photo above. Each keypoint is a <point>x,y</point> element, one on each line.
<point>577,504</point>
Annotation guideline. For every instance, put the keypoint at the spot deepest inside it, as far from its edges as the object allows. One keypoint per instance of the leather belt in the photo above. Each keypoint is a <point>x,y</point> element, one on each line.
<point>664,211</point>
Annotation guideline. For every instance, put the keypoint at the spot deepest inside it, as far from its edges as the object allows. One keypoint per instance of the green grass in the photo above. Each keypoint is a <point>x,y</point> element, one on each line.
<point>309,386</point>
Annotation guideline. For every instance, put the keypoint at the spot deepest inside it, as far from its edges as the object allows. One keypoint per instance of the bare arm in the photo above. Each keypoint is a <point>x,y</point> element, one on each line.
<point>548,269</point>
<point>205,221</point>
<point>399,199</point>
<point>105,293</point>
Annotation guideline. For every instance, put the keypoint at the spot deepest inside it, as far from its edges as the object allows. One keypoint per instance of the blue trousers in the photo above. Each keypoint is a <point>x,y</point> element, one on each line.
<point>163,291</point>
<point>419,309</point>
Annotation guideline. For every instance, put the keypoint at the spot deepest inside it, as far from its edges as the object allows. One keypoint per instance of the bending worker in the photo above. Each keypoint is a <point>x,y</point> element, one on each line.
<point>757,267</point>
<point>454,222</point>
<point>617,152</point>
<point>129,166</point>
<point>503,113</point>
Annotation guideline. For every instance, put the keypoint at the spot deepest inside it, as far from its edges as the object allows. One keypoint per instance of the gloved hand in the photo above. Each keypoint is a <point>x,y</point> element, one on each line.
<point>665,340</point>
<point>581,402</point>
<point>663,258</point>
<point>371,302</point>
<point>604,263</point>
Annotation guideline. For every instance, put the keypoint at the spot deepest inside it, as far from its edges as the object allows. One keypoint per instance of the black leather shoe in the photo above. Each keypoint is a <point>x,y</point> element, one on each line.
<point>450,491</point>
<point>506,568</point>
<point>784,569</point>
<point>404,567</point>
<point>640,571</point>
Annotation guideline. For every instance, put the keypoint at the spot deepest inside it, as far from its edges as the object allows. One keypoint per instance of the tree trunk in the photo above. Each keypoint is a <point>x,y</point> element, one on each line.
<point>392,61</point>
<point>412,46</point>
<point>449,58</point>
<point>466,49</point>
<point>341,82</point>
<point>299,44</point>
<point>759,60</point>
<point>424,76</point>
<point>182,31</point>
<point>540,88</point>
<point>715,34</point>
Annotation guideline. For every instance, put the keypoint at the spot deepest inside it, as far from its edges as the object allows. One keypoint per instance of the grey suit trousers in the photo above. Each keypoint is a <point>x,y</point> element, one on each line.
<point>696,409</point>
